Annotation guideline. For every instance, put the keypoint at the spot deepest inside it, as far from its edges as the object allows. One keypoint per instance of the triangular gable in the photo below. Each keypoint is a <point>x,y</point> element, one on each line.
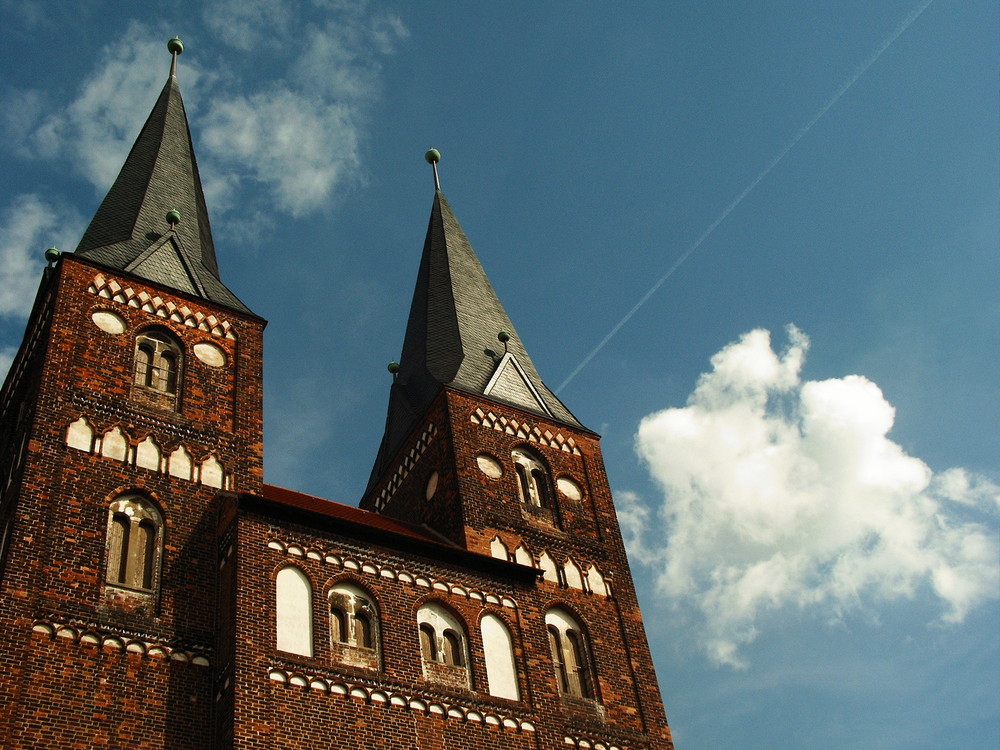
<point>511,385</point>
<point>164,262</point>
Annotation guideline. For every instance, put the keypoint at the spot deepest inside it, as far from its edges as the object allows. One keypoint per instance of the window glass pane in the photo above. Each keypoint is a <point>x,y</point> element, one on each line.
<point>145,554</point>
<point>453,649</point>
<point>428,647</point>
<point>338,625</point>
<point>118,548</point>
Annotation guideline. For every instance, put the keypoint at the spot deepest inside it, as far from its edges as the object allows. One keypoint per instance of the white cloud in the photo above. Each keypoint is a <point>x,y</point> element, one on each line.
<point>781,493</point>
<point>299,146</point>
<point>296,132</point>
<point>94,133</point>
<point>249,24</point>
<point>301,136</point>
<point>30,225</point>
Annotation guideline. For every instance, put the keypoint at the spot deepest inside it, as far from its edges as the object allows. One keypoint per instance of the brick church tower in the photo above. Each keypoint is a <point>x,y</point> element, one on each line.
<point>134,399</point>
<point>157,594</point>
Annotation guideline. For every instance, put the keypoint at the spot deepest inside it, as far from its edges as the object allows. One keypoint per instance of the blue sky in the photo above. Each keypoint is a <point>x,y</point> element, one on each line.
<point>800,424</point>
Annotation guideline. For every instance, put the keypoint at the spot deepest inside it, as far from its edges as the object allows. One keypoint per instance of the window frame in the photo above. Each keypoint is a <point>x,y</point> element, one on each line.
<point>534,480</point>
<point>158,364</point>
<point>134,544</point>
<point>572,657</point>
<point>353,610</point>
<point>444,645</point>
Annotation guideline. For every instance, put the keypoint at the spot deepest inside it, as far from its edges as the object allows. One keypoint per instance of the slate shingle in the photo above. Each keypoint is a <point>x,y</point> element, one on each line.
<point>454,319</point>
<point>130,226</point>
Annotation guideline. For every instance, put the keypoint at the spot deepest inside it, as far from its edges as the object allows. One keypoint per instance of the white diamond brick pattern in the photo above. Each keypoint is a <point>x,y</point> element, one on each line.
<point>112,290</point>
<point>407,464</point>
<point>523,430</point>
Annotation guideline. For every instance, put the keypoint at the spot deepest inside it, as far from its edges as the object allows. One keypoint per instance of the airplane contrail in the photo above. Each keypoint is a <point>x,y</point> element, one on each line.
<point>860,71</point>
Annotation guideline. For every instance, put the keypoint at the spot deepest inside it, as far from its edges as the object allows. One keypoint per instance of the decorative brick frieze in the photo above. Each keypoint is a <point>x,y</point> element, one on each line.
<point>571,573</point>
<point>349,561</point>
<point>112,289</point>
<point>403,700</point>
<point>148,453</point>
<point>587,743</point>
<point>524,430</point>
<point>93,635</point>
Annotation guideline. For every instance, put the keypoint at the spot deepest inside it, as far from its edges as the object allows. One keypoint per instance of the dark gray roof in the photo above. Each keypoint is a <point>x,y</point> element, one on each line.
<point>451,339</point>
<point>130,230</point>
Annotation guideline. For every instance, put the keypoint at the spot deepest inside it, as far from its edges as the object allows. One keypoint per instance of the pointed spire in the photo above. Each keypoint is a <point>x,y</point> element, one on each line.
<point>154,221</point>
<point>458,335</point>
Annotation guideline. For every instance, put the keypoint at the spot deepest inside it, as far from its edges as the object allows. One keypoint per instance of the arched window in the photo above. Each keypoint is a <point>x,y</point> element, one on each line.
<point>571,659</point>
<point>135,531</point>
<point>157,361</point>
<point>453,652</point>
<point>498,648</point>
<point>293,612</point>
<point>428,642</point>
<point>532,479</point>
<point>443,646</point>
<point>353,626</point>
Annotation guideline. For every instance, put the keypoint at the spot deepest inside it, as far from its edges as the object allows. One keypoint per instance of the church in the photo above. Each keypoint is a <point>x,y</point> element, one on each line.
<point>158,593</point>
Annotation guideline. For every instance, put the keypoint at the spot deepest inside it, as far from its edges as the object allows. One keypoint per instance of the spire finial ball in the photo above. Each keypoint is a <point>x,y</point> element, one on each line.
<point>433,156</point>
<point>503,337</point>
<point>393,367</point>
<point>175,46</point>
<point>173,217</point>
<point>52,254</point>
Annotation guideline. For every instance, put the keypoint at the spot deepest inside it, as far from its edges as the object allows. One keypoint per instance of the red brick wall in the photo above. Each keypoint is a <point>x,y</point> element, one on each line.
<point>585,530</point>
<point>88,664</point>
<point>194,666</point>
<point>318,699</point>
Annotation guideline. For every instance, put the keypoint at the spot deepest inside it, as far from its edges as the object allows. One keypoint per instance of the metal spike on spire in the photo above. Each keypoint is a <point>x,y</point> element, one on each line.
<point>175,46</point>
<point>433,156</point>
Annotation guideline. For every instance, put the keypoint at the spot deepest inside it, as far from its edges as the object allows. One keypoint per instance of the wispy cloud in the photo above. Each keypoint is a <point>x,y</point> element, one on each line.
<point>94,133</point>
<point>296,132</point>
<point>784,494</point>
<point>31,224</point>
<point>301,134</point>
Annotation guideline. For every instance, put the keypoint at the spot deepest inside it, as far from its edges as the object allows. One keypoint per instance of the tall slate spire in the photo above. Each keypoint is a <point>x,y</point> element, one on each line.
<point>131,230</point>
<point>458,335</point>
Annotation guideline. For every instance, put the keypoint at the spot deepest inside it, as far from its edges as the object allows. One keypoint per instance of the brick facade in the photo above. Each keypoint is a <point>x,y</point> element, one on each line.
<point>196,665</point>
<point>86,663</point>
<point>155,593</point>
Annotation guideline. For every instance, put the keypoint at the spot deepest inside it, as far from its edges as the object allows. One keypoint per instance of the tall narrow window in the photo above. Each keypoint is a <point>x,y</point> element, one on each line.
<point>556,648</point>
<point>353,626</point>
<point>134,545</point>
<point>443,646</point>
<point>143,363</point>
<point>338,625</point>
<point>363,635</point>
<point>498,650</point>
<point>532,479</point>
<point>428,642</point>
<point>571,659</point>
<point>293,612</point>
<point>157,362</point>
<point>453,649</point>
